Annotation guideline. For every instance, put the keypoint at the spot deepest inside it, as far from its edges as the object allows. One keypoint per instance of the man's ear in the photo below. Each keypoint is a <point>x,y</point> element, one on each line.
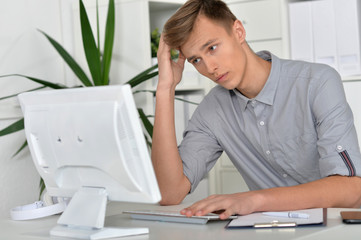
<point>239,31</point>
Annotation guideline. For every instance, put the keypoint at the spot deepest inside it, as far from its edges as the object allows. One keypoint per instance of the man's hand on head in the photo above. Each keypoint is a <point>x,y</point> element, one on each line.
<point>170,72</point>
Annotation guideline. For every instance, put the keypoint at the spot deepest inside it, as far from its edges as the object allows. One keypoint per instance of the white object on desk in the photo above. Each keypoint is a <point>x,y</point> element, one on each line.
<point>36,210</point>
<point>259,220</point>
<point>173,216</point>
<point>287,214</point>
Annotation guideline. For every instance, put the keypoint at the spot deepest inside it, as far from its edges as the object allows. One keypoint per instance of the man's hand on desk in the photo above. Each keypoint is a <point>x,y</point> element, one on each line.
<point>225,204</point>
<point>334,191</point>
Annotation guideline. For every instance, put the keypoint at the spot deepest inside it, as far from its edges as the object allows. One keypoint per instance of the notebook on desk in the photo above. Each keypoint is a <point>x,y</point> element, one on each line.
<point>317,217</point>
<point>173,216</point>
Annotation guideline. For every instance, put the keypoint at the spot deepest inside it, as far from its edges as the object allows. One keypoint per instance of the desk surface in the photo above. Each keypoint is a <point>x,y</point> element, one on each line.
<point>39,229</point>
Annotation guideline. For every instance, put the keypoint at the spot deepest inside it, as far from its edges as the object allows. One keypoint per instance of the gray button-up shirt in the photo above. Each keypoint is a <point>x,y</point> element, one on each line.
<point>298,129</point>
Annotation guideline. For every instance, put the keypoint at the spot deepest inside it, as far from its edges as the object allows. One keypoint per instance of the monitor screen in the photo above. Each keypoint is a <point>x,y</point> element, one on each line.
<point>87,143</point>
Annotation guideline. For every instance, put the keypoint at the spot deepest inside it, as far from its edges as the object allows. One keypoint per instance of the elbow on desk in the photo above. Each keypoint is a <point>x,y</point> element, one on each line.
<point>170,199</point>
<point>174,194</point>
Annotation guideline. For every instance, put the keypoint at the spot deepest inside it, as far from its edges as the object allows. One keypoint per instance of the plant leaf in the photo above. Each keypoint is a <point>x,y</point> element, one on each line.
<point>14,95</point>
<point>98,38</point>
<point>21,148</point>
<point>43,82</point>
<point>149,143</point>
<point>16,126</point>
<point>147,124</point>
<point>108,42</point>
<point>41,187</point>
<point>186,101</point>
<point>143,76</point>
<point>90,47</point>
<point>145,91</point>
<point>78,71</point>
<point>136,81</point>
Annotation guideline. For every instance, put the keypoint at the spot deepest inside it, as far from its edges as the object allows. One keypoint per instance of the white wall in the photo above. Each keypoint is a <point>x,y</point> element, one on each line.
<point>25,50</point>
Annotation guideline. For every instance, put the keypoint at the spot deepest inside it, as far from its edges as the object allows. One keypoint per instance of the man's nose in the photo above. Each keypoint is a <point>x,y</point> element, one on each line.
<point>211,65</point>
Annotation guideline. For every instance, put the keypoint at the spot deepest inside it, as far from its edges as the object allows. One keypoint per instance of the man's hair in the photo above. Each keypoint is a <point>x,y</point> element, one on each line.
<point>178,28</point>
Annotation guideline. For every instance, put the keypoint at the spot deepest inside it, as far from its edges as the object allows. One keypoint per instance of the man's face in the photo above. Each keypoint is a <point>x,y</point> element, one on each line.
<point>216,53</point>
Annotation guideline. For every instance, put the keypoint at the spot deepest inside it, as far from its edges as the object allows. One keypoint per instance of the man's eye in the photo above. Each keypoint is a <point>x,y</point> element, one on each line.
<point>212,48</point>
<point>195,61</point>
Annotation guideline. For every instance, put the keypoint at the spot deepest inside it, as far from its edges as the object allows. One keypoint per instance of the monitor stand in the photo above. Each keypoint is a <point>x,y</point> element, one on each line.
<point>84,218</point>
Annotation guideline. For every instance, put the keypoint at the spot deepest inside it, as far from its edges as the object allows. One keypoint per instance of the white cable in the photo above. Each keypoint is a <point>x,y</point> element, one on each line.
<point>39,209</point>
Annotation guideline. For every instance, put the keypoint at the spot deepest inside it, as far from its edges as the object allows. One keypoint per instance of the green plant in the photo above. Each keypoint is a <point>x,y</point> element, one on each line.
<point>154,43</point>
<point>98,63</point>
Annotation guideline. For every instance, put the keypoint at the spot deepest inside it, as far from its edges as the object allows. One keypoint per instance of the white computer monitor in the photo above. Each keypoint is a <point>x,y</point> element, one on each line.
<point>88,144</point>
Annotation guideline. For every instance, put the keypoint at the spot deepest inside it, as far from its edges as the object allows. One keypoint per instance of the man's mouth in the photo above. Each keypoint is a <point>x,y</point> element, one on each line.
<point>222,77</point>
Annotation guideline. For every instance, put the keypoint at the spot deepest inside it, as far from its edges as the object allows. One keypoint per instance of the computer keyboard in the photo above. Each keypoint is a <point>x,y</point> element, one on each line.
<point>172,216</point>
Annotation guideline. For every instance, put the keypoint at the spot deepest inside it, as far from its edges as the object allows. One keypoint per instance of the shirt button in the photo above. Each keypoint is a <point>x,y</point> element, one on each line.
<point>285,175</point>
<point>339,147</point>
<point>268,152</point>
<point>261,123</point>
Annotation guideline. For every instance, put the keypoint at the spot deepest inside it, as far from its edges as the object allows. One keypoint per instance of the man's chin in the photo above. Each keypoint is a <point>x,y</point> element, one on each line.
<point>226,86</point>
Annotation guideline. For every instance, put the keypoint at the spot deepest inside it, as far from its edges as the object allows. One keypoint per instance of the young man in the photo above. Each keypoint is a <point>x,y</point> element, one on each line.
<point>284,124</point>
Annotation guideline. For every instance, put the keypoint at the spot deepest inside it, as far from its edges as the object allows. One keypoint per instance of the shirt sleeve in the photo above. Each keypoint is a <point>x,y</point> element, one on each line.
<point>199,149</point>
<point>337,139</point>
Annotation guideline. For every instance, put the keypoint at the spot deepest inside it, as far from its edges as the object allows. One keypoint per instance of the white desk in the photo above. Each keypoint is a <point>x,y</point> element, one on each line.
<point>39,229</point>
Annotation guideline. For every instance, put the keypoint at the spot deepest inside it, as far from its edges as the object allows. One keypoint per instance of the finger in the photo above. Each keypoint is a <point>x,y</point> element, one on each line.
<point>226,214</point>
<point>163,48</point>
<point>187,212</point>
<point>220,204</point>
<point>202,207</point>
<point>181,59</point>
<point>219,212</point>
<point>181,56</point>
<point>190,211</point>
<point>162,44</point>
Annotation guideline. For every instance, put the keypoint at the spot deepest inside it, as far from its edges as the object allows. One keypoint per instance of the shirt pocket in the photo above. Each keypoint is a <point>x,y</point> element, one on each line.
<point>301,157</point>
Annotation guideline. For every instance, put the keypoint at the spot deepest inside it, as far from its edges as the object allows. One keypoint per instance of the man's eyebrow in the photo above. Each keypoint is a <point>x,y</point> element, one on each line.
<point>208,43</point>
<point>202,47</point>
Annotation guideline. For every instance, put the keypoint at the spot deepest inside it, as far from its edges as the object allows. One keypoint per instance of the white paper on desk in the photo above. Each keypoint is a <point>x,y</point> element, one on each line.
<point>316,217</point>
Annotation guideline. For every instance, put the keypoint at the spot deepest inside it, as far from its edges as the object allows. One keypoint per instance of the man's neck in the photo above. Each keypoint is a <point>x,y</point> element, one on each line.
<point>256,75</point>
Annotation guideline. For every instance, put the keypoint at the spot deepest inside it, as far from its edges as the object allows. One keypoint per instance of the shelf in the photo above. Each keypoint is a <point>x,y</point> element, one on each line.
<point>351,78</point>
<point>172,2</point>
<point>161,5</point>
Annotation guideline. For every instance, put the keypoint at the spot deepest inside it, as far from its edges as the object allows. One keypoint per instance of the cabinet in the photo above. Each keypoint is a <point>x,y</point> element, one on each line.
<point>327,32</point>
<point>264,23</point>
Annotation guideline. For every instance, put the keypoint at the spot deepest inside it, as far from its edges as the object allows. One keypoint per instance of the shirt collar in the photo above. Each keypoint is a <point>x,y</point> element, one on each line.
<point>268,92</point>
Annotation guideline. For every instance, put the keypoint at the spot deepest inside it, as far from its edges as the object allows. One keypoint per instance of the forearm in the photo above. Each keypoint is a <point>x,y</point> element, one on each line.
<point>167,163</point>
<point>334,191</point>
